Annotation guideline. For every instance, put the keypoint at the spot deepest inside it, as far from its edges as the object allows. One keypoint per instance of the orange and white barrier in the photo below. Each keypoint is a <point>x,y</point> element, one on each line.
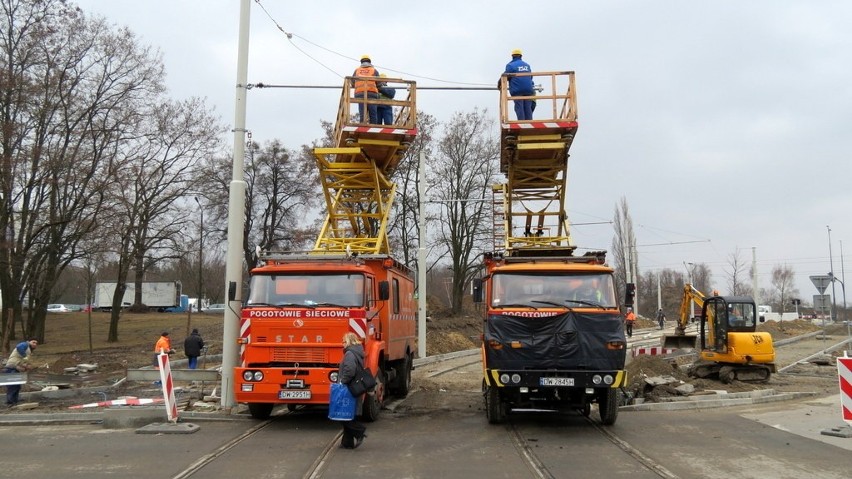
<point>653,351</point>
<point>168,386</point>
<point>844,373</point>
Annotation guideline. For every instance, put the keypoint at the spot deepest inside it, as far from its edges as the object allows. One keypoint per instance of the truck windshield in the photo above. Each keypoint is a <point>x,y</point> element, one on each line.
<point>540,290</point>
<point>307,290</point>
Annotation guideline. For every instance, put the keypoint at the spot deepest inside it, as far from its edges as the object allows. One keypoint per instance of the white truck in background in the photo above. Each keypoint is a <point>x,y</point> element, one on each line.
<point>766,314</point>
<point>157,295</point>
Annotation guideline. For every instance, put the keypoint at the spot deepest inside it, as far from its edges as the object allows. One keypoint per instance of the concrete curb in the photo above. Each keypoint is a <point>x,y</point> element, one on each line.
<point>720,399</point>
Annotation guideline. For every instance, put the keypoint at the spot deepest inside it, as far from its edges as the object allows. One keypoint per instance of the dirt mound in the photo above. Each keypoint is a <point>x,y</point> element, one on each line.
<point>452,333</point>
<point>787,329</point>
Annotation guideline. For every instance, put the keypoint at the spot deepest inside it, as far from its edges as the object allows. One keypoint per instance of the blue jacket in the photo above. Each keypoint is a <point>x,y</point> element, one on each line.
<point>519,86</point>
<point>387,92</point>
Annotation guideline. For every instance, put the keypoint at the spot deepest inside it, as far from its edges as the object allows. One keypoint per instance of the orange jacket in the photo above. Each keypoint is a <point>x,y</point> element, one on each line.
<point>630,317</point>
<point>164,344</point>
<point>362,86</point>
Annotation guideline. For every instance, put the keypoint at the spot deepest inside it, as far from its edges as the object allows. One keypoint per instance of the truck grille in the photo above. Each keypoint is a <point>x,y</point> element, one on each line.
<point>300,355</point>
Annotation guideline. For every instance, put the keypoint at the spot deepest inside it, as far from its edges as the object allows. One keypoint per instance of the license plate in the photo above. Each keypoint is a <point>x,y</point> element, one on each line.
<point>556,381</point>
<point>294,394</point>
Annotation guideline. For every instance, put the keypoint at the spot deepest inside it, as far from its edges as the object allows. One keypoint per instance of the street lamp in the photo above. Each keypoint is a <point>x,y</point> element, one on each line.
<point>831,273</point>
<point>690,267</point>
<point>200,255</point>
<point>842,288</point>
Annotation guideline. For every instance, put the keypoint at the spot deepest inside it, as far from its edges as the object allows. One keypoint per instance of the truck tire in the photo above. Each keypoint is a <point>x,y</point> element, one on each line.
<point>608,406</point>
<point>374,401</point>
<point>495,410</point>
<point>404,377</point>
<point>260,410</point>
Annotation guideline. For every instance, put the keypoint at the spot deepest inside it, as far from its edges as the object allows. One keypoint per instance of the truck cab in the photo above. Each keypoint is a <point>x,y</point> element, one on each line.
<point>553,336</point>
<point>292,324</point>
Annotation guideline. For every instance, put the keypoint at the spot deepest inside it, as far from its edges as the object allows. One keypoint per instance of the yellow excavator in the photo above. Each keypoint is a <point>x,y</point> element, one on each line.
<point>728,342</point>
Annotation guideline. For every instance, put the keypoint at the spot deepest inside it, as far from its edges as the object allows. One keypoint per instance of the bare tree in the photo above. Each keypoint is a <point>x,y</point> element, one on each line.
<point>403,228</point>
<point>670,283</point>
<point>783,280</point>
<point>737,286</point>
<point>68,87</point>
<point>282,190</point>
<point>623,246</point>
<point>157,175</point>
<point>460,179</point>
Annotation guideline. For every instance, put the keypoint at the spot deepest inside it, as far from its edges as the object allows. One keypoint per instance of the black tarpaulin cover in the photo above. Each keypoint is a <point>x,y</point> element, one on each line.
<point>569,340</point>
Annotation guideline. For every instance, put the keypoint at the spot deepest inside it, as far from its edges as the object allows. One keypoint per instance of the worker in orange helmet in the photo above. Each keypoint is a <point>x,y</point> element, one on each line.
<point>366,90</point>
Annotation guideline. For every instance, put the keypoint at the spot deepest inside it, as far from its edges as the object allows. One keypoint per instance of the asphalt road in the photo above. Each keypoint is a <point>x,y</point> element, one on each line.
<point>440,430</point>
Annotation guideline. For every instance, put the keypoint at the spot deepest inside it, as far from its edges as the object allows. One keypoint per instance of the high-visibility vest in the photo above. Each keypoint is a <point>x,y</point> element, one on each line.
<point>362,86</point>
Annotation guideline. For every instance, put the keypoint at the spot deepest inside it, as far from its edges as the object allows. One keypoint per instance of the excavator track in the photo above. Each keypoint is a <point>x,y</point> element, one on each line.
<point>728,373</point>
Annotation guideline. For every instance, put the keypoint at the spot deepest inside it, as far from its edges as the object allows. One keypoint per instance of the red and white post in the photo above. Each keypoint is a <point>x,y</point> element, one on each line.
<point>844,373</point>
<point>168,386</point>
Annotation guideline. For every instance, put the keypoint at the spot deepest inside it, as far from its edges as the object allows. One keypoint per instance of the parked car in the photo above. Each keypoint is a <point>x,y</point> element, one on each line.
<point>215,308</point>
<point>58,308</point>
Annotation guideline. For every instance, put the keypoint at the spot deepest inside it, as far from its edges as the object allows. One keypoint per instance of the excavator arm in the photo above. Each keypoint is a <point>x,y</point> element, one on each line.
<point>680,339</point>
<point>690,295</point>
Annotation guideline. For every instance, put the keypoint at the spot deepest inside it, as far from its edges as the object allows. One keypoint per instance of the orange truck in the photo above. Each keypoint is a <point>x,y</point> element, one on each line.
<point>553,335</point>
<point>292,326</point>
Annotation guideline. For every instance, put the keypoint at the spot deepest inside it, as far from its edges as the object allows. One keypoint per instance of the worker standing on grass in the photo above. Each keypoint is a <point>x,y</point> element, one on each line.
<point>192,348</point>
<point>629,319</point>
<point>18,362</point>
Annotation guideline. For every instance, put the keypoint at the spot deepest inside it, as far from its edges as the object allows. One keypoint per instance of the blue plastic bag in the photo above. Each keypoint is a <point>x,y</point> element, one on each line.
<point>341,404</point>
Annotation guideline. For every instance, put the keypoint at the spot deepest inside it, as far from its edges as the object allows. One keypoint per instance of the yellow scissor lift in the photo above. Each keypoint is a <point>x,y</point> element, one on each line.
<point>355,174</point>
<point>529,209</point>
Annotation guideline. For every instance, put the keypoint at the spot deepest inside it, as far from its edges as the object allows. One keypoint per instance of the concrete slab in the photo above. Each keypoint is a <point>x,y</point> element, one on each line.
<point>840,431</point>
<point>169,428</point>
<point>132,416</point>
<point>808,419</point>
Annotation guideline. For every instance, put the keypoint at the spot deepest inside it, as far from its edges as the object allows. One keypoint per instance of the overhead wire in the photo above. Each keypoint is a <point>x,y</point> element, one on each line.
<point>290,36</point>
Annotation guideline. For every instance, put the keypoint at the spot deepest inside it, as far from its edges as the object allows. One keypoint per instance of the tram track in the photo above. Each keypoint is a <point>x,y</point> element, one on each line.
<point>537,445</point>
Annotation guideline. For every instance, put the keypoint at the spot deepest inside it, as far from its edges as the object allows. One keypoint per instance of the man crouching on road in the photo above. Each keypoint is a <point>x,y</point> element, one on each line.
<point>18,362</point>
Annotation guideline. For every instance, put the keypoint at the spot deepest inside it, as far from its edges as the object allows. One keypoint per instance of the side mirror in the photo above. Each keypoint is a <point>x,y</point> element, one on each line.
<point>384,291</point>
<point>477,290</point>
<point>232,291</point>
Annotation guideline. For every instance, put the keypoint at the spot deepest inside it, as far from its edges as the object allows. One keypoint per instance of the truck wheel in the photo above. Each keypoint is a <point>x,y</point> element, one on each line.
<point>404,377</point>
<point>374,401</point>
<point>586,410</point>
<point>608,406</point>
<point>260,410</point>
<point>495,410</point>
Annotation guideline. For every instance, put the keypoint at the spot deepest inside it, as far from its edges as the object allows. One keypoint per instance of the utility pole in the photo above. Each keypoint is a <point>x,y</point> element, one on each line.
<point>236,217</point>
<point>755,292</point>
<point>831,273</point>
<point>200,256</point>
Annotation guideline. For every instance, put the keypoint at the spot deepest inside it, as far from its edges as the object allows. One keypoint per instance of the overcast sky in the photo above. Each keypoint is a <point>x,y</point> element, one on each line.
<point>725,124</point>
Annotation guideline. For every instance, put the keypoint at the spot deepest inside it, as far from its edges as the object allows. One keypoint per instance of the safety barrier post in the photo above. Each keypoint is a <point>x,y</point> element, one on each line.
<point>844,374</point>
<point>168,386</point>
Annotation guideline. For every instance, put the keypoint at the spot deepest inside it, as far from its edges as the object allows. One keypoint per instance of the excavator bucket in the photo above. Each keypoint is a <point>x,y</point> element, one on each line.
<point>684,341</point>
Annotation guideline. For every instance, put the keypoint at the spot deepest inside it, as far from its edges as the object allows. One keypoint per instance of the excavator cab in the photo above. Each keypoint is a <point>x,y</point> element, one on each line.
<point>722,315</point>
